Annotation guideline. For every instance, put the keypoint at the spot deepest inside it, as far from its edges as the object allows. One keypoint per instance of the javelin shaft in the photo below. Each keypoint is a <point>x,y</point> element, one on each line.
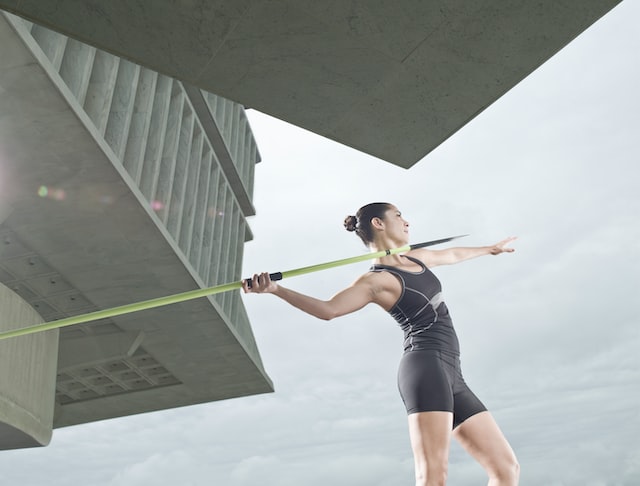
<point>338,263</point>
<point>198,293</point>
<point>121,310</point>
<point>356,259</point>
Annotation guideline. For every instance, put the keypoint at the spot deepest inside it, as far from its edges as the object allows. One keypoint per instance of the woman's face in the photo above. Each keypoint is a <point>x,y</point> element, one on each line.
<point>395,225</point>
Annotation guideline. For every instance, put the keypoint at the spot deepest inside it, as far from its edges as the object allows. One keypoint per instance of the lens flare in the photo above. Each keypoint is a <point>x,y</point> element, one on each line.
<point>157,205</point>
<point>52,193</point>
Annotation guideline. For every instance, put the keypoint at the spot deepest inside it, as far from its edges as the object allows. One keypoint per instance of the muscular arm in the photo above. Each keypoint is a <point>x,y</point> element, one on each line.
<point>433,258</point>
<point>351,299</point>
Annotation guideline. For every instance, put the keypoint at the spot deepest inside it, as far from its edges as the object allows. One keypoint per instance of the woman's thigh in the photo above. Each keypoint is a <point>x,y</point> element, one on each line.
<point>481,437</point>
<point>430,434</point>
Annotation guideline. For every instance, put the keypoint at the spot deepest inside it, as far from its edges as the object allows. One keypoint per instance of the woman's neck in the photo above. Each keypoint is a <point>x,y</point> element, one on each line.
<point>391,260</point>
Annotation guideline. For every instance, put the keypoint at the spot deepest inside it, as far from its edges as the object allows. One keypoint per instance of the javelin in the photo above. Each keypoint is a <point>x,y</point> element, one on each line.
<point>195,294</point>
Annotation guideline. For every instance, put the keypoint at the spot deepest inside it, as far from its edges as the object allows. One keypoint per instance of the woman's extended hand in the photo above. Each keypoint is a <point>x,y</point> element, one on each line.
<point>260,284</point>
<point>501,247</point>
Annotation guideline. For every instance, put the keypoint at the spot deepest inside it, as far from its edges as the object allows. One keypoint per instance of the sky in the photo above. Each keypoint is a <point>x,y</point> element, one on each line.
<point>550,334</point>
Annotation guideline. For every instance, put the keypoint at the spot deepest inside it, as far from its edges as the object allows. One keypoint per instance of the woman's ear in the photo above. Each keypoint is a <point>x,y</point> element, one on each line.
<point>377,223</point>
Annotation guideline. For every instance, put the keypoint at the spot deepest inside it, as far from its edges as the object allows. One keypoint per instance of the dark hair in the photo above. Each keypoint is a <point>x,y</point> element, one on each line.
<point>361,222</point>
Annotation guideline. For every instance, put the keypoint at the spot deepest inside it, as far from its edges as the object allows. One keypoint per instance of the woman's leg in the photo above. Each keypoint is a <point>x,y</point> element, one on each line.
<point>481,437</point>
<point>430,434</point>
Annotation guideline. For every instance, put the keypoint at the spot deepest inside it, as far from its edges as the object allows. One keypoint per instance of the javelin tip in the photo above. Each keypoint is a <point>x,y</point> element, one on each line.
<point>436,242</point>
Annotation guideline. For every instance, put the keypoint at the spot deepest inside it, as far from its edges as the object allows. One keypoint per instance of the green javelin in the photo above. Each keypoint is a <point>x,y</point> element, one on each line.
<point>198,293</point>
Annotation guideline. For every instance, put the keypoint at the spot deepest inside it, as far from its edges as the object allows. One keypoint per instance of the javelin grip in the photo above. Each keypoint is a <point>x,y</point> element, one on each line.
<point>272,276</point>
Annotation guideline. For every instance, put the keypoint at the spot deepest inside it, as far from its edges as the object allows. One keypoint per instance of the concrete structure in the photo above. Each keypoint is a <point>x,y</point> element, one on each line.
<point>393,79</point>
<point>117,184</point>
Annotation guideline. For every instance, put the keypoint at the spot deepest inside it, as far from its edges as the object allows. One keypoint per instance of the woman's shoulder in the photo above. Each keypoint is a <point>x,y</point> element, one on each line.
<point>372,278</point>
<point>423,255</point>
<point>383,287</point>
<point>377,280</point>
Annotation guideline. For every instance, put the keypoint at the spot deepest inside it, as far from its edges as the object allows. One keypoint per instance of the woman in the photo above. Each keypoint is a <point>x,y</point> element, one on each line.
<point>439,403</point>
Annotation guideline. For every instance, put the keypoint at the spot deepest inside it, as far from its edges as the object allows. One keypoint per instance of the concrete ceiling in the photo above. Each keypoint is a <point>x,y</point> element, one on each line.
<point>392,79</point>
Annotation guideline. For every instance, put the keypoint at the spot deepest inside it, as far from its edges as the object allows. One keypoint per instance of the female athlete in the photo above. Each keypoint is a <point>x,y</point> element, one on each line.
<point>439,403</point>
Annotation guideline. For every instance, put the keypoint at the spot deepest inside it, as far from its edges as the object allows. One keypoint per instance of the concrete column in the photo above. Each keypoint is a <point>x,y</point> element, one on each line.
<point>28,366</point>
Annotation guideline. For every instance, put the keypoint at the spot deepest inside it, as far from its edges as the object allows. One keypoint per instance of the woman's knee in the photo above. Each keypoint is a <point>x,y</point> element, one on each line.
<point>435,477</point>
<point>431,473</point>
<point>507,471</point>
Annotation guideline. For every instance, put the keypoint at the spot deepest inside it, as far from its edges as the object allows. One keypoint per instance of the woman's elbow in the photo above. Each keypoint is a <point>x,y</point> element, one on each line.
<point>326,316</point>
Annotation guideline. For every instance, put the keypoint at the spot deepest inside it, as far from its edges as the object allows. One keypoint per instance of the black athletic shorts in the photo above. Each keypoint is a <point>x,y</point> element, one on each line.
<point>430,381</point>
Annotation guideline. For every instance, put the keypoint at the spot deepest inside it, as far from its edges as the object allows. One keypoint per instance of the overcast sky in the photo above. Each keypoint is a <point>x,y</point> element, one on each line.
<point>549,334</point>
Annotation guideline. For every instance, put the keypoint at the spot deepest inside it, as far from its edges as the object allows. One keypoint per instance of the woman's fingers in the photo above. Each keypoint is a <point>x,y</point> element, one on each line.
<point>502,247</point>
<point>260,282</point>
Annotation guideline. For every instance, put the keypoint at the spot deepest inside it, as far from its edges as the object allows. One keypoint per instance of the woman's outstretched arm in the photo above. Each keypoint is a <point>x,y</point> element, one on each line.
<point>432,258</point>
<point>351,299</point>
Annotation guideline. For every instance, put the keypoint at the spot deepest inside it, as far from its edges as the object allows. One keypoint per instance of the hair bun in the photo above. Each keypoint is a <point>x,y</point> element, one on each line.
<point>350,223</point>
